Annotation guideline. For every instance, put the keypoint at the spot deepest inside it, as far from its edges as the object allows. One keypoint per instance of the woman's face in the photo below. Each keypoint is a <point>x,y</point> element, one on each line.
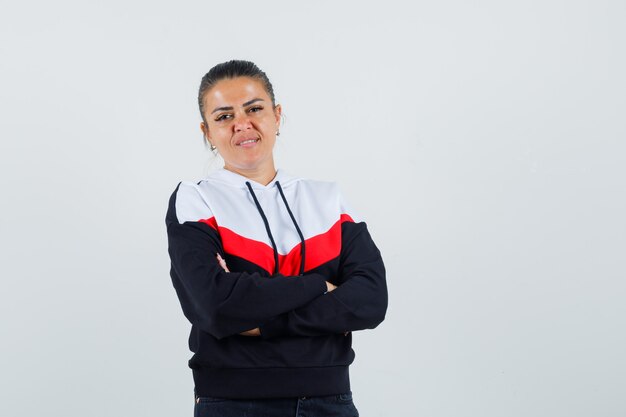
<point>241,123</point>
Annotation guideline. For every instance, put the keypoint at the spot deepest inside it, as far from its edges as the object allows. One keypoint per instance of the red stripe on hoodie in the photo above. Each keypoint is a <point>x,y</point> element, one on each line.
<point>319,249</point>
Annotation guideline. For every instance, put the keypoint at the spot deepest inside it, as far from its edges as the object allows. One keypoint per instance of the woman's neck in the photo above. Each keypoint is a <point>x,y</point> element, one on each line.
<point>261,175</point>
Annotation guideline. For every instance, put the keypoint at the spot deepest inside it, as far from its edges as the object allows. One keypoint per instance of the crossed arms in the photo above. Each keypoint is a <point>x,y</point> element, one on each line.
<point>225,303</point>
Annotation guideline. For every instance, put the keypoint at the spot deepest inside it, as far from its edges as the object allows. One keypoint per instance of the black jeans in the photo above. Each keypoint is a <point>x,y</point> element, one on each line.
<point>338,405</point>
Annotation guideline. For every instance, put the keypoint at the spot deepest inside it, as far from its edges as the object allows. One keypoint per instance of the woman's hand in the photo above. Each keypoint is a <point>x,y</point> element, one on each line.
<point>254,332</point>
<point>222,262</point>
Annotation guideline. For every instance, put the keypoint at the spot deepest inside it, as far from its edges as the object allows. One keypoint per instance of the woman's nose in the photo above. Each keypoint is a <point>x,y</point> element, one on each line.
<point>242,122</point>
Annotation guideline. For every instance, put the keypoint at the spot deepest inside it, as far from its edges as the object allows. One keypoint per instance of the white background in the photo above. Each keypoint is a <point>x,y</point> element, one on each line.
<point>483,143</point>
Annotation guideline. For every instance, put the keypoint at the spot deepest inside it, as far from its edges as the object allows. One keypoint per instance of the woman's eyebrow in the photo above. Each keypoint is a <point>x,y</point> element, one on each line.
<point>247,103</point>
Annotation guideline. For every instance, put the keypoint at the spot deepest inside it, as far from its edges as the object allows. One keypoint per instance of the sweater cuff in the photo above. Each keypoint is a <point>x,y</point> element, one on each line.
<point>278,325</point>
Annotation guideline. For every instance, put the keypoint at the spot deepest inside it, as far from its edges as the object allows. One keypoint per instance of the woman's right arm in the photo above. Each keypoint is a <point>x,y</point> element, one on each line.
<point>219,302</point>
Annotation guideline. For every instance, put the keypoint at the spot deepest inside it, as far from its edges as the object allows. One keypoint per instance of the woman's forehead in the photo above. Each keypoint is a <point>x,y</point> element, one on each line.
<point>235,91</point>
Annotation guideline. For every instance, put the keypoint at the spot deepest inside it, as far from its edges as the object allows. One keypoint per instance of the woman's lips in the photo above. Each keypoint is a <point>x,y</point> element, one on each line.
<point>247,143</point>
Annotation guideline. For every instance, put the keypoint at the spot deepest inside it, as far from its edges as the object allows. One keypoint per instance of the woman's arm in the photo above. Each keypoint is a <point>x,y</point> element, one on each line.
<point>360,302</point>
<point>227,303</point>
<point>257,331</point>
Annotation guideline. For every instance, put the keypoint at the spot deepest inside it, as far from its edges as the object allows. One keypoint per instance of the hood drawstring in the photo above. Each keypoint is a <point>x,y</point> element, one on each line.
<point>293,219</point>
<point>267,226</point>
<point>269,232</point>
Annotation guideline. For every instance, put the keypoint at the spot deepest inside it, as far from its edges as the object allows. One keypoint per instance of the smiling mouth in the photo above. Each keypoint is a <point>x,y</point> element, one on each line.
<point>248,142</point>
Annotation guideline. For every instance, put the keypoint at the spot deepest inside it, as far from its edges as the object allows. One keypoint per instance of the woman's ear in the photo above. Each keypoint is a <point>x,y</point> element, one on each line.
<point>277,112</point>
<point>205,132</point>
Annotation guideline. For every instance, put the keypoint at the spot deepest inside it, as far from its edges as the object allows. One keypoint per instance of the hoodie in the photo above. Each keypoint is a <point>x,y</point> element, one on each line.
<point>281,242</point>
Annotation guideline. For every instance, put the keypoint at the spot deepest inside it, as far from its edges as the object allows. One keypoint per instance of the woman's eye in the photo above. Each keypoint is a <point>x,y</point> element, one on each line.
<point>256,108</point>
<point>222,117</point>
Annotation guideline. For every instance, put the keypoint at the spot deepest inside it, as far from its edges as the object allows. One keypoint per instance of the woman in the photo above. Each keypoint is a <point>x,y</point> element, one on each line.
<point>273,271</point>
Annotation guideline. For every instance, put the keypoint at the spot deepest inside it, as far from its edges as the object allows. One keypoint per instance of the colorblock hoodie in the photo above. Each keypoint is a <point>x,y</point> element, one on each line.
<point>281,243</point>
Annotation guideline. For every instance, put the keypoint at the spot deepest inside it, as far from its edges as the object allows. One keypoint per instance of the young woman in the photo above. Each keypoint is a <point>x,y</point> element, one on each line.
<point>273,271</point>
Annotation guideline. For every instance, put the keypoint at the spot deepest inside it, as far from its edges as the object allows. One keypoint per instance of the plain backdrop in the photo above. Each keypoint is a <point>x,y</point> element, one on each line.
<point>483,143</point>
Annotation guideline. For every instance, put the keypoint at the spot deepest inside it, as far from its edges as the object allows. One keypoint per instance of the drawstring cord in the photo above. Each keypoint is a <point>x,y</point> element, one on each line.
<point>267,226</point>
<point>293,219</point>
<point>269,232</point>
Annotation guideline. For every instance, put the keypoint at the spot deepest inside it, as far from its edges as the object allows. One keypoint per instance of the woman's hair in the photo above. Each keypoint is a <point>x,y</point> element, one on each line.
<point>232,69</point>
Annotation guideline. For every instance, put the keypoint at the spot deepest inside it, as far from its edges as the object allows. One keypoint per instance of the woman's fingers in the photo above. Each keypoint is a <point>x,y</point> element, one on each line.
<point>254,332</point>
<point>222,262</point>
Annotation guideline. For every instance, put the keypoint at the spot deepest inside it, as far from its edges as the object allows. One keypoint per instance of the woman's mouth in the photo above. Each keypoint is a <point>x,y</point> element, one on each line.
<point>248,142</point>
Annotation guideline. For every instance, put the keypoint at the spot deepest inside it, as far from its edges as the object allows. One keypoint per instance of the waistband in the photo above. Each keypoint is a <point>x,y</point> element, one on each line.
<point>271,382</point>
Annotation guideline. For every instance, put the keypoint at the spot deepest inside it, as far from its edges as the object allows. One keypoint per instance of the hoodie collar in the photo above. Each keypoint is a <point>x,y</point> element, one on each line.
<point>238,180</point>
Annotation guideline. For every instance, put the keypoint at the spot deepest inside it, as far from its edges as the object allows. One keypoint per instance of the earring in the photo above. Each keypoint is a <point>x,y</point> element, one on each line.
<point>213,148</point>
<point>277,133</point>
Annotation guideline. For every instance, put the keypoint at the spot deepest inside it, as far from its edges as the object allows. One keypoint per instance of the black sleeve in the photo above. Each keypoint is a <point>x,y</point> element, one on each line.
<point>227,303</point>
<point>359,302</point>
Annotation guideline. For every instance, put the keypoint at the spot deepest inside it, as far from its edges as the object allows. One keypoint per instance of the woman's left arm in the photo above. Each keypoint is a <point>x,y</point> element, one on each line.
<point>360,302</point>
